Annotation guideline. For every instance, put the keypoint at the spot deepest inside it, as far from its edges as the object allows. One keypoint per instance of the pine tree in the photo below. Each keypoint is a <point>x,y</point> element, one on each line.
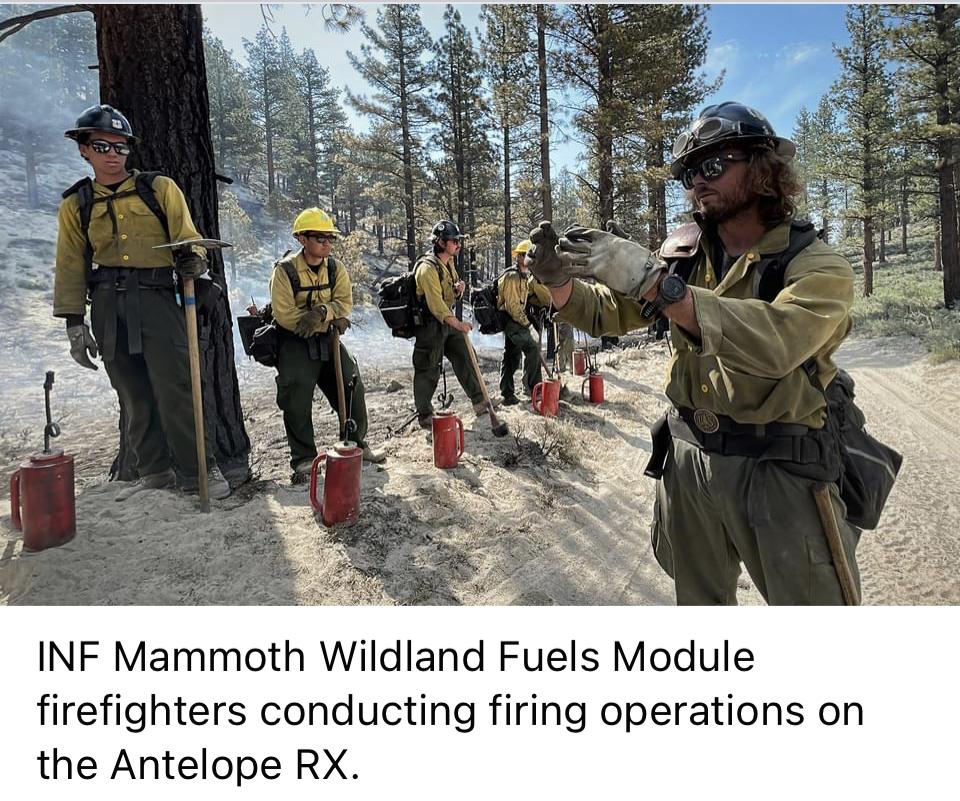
<point>926,44</point>
<point>265,78</point>
<point>862,94</point>
<point>511,71</point>
<point>391,62</point>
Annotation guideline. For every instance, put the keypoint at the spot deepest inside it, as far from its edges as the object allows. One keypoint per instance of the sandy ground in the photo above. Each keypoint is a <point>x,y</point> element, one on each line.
<point>555,513</point>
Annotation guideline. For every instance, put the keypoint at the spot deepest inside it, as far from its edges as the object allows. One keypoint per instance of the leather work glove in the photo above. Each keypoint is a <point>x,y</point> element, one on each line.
<point>82,343</point>
<point>310,321</point>
<point>542,259</point>
<point>621,264</point>
<point>190,264</point>
<point>341,324</point>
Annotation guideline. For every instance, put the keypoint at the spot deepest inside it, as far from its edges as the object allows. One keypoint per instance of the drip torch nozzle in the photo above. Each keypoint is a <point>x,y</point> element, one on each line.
<point>51,430</point>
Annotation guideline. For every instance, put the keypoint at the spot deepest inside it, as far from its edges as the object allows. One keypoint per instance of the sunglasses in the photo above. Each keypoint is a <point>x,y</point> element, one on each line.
<point>321,238</point>
<point>711,128</point>
<point>711,168</point>
<point>102,146</point>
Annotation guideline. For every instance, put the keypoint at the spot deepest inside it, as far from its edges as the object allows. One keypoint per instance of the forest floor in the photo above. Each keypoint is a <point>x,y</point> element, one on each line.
<point>557,512</point>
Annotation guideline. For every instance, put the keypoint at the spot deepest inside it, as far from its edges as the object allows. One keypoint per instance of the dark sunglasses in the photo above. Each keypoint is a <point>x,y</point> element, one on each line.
<point>711,168</point>
<point>321,237</point>
<point>103,146</point>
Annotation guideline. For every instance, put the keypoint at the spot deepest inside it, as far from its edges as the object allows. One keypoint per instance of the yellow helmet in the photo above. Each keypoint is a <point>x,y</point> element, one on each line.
<point>523,247</point>
<point>314,220</point>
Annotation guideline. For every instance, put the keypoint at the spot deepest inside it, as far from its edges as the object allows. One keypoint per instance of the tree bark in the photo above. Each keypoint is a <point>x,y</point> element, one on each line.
<point>546,196</point>
<point>946,147</point>
<point>604,130</point>
<point>152,68</point>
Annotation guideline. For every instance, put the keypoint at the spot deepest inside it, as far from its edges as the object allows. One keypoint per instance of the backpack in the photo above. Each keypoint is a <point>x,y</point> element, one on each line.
<point>489,318</point>
<point>868,467</point>
<point>260,333</point>
<point>399,306</point>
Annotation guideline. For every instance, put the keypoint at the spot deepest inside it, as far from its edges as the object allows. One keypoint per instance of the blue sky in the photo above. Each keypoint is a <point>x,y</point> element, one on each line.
<point>777,57</point>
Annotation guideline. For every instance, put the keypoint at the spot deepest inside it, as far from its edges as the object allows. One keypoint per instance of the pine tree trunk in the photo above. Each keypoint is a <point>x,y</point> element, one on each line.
<point>408,206</point>
<point>605,134</point>
<point>30,168</point>
<point>166,101</point>
<point>946,155</point>
<point>507,220</point>
<point>904,215</point>
<point>868,256</point>
<point>546,197</point>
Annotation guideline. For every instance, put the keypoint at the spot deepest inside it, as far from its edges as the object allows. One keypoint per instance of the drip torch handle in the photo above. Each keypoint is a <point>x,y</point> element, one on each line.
<point>51,429</point>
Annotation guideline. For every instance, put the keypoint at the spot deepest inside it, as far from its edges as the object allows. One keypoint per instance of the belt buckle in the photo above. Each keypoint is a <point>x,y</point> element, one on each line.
<point>706,421</point>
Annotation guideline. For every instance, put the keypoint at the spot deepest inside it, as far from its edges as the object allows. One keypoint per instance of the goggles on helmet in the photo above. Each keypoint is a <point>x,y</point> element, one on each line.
<point>707,130</point>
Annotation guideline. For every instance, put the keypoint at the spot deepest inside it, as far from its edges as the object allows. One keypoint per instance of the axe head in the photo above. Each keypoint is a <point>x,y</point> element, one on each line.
<point>209,244</point>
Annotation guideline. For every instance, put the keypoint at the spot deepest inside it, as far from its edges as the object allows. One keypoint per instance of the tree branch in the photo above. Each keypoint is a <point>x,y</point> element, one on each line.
<point>9,27</point>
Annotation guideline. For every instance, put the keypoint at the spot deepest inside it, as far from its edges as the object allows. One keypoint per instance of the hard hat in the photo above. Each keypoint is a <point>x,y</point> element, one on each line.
<point>103,119</point>
<point>523,247</point>
<point>314,220</point>
<point>727,122</point>
<point>444,231</point>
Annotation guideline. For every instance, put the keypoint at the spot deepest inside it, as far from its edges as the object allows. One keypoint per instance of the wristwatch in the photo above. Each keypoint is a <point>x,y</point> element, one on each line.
<point>672,290</point>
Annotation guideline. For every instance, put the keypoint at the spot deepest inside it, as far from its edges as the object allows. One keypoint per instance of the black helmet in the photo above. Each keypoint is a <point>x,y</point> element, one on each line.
<point>724,122</point>
<point>105,119</point>
<point>444,231</point>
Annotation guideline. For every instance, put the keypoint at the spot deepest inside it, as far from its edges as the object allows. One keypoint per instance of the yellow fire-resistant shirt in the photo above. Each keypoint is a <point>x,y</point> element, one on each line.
<point>288,309</point>
<point>749,364</point>
<point>440,294</point>
<point>541,294</point>
<point>515,289</point>
<point>127,243</point>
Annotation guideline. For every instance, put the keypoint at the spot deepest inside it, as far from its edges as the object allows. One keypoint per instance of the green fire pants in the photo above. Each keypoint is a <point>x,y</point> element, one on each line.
<point>519,343</point>
<point>433,342</point>
<point>701,531</point>
<point>297,377</point>
<point>154,385</point>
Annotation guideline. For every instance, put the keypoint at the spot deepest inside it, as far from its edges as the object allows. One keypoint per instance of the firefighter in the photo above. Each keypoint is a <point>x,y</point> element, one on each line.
<point>757,306</point>
<point>107,229</point>
<point>517,291</point>
<point>311,294</point>
<point>441,333</point>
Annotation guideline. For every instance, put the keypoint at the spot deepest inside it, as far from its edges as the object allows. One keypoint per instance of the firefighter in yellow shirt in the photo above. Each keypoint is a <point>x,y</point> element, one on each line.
<point>515,289</point>
<point>107,230</point>
<point>324,298</point>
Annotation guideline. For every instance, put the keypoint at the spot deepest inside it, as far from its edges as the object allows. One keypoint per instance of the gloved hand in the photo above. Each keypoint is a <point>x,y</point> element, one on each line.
<point>82,343</point>
<point>311,320</point>
<point>341,324</point>
<point>190,264</point>
<point>621,264</point>
<point>542,259</point>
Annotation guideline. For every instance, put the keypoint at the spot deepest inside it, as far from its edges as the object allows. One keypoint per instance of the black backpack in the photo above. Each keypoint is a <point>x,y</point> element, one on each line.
<point>868,468</point>
<point>399,306</point>
<point>490,319</point>
<point>260,333</point>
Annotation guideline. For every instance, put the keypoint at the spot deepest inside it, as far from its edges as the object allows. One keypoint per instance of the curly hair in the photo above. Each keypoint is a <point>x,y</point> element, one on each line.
<point>773,179</point>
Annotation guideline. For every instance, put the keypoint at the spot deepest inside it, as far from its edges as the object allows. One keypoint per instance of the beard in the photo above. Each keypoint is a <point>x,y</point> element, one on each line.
<point>719,208</point>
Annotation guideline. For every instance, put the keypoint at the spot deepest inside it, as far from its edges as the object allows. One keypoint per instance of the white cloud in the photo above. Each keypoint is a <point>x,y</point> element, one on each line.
<point>799,53</point>
<point>723,56</point>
